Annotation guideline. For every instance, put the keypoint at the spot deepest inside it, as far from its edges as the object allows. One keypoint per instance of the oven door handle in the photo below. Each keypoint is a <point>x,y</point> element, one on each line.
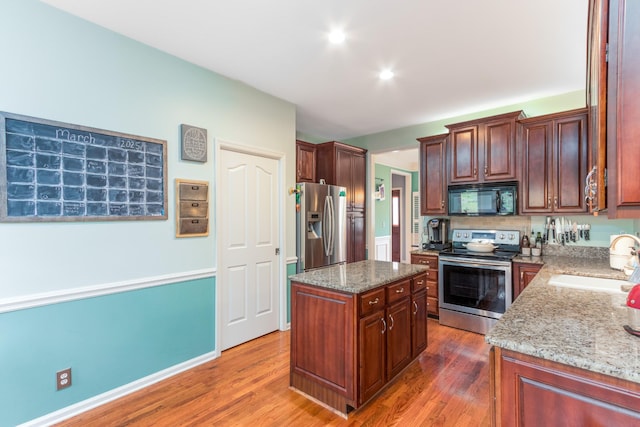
<point>470,262</point>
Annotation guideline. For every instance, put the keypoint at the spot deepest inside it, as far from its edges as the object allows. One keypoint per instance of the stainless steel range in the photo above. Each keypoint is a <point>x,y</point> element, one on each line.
<point>475,287</point>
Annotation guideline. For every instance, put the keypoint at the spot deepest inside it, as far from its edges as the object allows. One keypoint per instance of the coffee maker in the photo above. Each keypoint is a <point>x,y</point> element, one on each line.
<point>437,234</point>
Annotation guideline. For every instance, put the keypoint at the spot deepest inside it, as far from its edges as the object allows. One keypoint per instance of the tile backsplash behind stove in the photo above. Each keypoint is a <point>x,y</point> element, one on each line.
<point>601,227</point>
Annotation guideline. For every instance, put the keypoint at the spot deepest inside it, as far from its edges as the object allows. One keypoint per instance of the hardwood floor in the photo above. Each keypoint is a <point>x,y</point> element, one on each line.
<point>248,385</point>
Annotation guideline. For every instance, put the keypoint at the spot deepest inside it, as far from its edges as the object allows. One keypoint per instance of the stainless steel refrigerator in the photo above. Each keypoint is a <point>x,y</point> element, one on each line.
<point>321,217</point>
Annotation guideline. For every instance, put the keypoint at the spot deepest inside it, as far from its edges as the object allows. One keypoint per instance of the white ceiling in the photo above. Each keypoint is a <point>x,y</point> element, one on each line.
<point>450,57</point>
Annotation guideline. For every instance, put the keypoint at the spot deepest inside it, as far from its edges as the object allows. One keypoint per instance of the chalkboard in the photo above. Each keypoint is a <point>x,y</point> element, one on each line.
<point>51,171</point>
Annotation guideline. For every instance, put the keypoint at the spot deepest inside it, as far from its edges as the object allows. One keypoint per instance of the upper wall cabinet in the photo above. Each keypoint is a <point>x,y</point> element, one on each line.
<point>554,163</point>
<point>342,164</point>
<point>623,109</point>
<point>305,162</point>
<point>597,104</point>
<point>483,150</point>
<point>433,183</point>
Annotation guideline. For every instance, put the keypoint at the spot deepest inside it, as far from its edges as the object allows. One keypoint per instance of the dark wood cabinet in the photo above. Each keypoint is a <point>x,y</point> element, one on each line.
<point>372,345</point>
<point>418,322</point>
<point>534,392</point>
<point>554,163</point>
<point>433,181</point>
<point>344,165</point>
<point>623,110</point>
<point>381,332</point>
<point>483,150</point>
<point>597,39</point>
<point>522,274</point>
<point>431,276</point>
<point>305,162</point>
<point>356,238</point>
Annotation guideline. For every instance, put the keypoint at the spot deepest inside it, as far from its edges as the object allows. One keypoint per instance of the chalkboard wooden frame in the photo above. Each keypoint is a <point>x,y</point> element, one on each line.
<point>54,171</point>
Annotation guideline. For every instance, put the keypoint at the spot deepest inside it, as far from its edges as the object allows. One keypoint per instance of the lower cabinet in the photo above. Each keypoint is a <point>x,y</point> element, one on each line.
<point>522,274</point>
<point>529,391</point>
<point>346,347</point>
<point>430,261</point>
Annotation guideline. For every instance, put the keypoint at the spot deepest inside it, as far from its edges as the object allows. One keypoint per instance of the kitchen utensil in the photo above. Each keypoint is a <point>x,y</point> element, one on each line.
<point>481,246</point>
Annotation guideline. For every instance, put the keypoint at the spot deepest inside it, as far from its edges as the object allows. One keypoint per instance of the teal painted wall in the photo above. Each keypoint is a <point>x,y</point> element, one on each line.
<point>383,207</point>
<point>107,341</point>
<point>72,71</point>
<point>404,138</point>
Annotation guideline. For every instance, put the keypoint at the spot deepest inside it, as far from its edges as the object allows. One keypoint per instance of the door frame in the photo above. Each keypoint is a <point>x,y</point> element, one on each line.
<point>405,229</point>
<point>225,145</point>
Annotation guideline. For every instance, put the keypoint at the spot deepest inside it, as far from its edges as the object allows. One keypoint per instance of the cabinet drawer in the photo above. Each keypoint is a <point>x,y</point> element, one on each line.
<point>430,261</point>
<point>432,306</point>
<point>372,301</point>
<point>194,226</point>
<point>432,275</point>
<point>194,209</point>
<point>192,191</point>
<point>418,283</point>
<point>398,291</point>
<point>432,289</point>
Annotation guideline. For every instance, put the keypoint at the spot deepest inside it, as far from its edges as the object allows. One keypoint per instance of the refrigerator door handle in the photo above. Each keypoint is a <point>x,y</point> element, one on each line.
<point>326,225</point>
<point>332,225</point>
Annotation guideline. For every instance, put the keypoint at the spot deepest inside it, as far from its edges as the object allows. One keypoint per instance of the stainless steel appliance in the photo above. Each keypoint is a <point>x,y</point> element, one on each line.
<point>437,234</point>
<point>321,224</point>
<point>484,199</point>
<point>475,287</point>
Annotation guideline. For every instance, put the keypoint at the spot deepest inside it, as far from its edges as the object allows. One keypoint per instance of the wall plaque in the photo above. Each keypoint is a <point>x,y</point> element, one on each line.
<point>194,143</point>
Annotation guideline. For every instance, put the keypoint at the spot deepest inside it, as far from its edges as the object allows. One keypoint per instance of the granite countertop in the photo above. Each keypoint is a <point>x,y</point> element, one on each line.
<point>433,252</point>
<point>576,327</point>
<point>359,276</point>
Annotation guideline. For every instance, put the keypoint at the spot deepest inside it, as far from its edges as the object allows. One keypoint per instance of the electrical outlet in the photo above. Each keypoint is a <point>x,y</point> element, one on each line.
<point>63,379</point>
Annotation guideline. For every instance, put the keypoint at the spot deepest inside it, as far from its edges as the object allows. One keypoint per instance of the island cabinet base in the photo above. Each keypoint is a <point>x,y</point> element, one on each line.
<point>529,391</point>
<point>346,347</point>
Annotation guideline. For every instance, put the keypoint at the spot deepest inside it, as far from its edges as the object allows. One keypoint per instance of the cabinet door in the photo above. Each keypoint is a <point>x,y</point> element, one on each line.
<point>398,337</point>
<point>571,164</point>
<point>623,109</point>
<point>433,183</point>
<point>358,170</point>
<point>306,162</point>
<point>463,155</point>
<point>536,193</point>
<point>418,323</point>
<point>499,151</point>
<point>372,345</point>
<point>523,274</point>
<point>356,239</point>
<point>344,174</point>
<point>536,392</point>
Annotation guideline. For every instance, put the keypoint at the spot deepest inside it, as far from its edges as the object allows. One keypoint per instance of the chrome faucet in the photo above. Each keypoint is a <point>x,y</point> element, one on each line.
<point>634,252</point>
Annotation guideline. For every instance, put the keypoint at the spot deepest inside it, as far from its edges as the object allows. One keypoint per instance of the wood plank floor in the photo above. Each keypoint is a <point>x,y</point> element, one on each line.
<point>448,385</point>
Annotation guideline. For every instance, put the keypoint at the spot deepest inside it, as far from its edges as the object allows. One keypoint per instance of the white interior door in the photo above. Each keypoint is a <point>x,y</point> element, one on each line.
<point>249,230</point>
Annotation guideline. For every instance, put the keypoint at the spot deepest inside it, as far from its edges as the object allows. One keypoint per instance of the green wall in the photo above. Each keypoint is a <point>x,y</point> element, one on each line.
<point>383,207</point>
<point>58,67</point>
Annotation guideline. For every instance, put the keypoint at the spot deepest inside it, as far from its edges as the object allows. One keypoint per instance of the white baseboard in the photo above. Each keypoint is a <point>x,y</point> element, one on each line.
<point>111,395</point>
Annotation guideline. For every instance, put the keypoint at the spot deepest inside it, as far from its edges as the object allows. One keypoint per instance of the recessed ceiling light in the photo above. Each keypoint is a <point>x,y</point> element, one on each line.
<point>386,74</point>
<point>336,36</point>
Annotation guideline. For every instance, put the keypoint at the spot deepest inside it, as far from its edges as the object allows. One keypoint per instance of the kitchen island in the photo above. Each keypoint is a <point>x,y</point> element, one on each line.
<point>354,328</point>
<point>561,355</point>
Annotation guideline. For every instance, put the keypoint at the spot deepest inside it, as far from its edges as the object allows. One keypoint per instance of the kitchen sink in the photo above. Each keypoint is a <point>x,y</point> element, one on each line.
<point>588,283</point>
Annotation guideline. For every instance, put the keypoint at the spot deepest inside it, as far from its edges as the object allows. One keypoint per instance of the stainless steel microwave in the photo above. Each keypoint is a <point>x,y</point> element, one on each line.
<point>484,199</point>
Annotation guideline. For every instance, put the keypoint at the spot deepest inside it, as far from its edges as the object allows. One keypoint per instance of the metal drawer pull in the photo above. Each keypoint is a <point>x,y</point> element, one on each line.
<point>415,305</point>
<point>399,291</point>
<point>375,301</point>
<point>420,282</point>
<point>392,322</point>
<point>384,325</point>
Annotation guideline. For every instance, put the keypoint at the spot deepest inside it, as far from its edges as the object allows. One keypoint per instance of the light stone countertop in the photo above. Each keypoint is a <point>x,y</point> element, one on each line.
<point>576,327</point>
<point>359,276</point>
